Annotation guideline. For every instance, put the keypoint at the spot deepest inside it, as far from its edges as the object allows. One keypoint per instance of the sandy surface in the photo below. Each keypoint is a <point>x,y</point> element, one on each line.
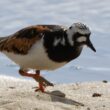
<point>17,94</point>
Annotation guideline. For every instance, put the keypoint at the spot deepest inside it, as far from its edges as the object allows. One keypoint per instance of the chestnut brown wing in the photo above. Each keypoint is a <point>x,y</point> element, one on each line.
<point>22,41</point>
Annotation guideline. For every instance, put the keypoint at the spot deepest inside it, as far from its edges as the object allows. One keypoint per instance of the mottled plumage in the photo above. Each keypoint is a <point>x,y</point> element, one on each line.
<point>22,41</point>
<point>45,47</point>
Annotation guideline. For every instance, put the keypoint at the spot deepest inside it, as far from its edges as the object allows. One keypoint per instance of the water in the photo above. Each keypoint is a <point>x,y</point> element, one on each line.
<point>16,14</point>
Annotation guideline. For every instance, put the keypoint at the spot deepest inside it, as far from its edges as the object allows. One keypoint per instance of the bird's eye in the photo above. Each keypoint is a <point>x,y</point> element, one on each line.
<point>70,27</point>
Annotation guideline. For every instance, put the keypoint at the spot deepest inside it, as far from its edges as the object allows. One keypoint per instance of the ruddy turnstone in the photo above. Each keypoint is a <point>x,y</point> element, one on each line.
<point>45,47</point>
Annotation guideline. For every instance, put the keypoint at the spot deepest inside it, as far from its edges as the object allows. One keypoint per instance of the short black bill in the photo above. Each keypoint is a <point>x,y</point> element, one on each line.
<point>90,45</point>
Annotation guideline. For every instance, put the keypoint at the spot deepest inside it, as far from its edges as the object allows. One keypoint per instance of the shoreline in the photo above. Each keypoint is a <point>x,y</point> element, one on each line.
<point>18,94</point>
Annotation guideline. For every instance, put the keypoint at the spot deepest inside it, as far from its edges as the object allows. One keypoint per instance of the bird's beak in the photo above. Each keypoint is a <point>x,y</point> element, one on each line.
<point>90,45</point>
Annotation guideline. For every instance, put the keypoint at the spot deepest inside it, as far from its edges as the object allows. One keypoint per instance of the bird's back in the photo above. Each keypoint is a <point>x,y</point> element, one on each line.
<point>21,41</point>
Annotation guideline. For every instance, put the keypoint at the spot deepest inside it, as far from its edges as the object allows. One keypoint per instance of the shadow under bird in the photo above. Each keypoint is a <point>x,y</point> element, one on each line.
<point>45,47</point>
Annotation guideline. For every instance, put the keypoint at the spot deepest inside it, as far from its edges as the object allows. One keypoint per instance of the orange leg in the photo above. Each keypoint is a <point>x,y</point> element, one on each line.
<point>41,85</point>
<point>42,81</point>
<point>41,88</point>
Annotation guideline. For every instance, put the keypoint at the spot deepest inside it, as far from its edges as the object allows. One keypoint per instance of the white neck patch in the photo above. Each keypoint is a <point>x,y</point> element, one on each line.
<point>59,40</point>
<point>56,42</point>
<point>81,39</point>
<point>63,42</point>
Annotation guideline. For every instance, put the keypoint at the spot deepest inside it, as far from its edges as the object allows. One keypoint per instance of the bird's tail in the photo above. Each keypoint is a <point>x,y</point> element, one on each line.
<point>1,38</point>
<point>2,42</point>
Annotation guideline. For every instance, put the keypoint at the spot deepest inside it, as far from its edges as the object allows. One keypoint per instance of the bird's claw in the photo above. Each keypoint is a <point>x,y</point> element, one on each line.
<point>37,89</point>
<point>42,80</point>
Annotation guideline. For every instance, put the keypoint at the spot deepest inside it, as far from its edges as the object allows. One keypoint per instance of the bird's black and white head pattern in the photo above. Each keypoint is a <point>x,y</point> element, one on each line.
<point>78,32</point>
<point>79,35</point>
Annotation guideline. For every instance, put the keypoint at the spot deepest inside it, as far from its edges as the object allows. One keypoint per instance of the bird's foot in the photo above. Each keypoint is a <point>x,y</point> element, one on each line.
<point>40,88</point>
<point>42,80</point>
<point>43,83</point>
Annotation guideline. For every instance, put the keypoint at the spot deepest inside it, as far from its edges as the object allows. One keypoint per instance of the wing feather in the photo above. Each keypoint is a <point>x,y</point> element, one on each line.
<point>22,41</point>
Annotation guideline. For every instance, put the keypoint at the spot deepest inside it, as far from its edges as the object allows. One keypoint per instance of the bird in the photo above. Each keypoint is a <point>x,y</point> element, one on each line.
<point>45,47</point>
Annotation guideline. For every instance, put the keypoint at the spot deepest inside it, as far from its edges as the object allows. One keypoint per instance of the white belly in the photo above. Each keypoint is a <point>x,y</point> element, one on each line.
<point>35,59</point>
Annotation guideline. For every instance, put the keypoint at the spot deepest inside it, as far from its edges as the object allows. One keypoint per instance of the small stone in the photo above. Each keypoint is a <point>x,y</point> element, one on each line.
<point>12,87</point>
<point>88,108</point>
<point>105,81</point>
<point>96,95</point>
<point>103,105</point>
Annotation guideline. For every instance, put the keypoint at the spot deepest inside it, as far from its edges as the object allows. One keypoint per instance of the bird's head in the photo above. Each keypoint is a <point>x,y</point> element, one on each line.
<point>79,35</point>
